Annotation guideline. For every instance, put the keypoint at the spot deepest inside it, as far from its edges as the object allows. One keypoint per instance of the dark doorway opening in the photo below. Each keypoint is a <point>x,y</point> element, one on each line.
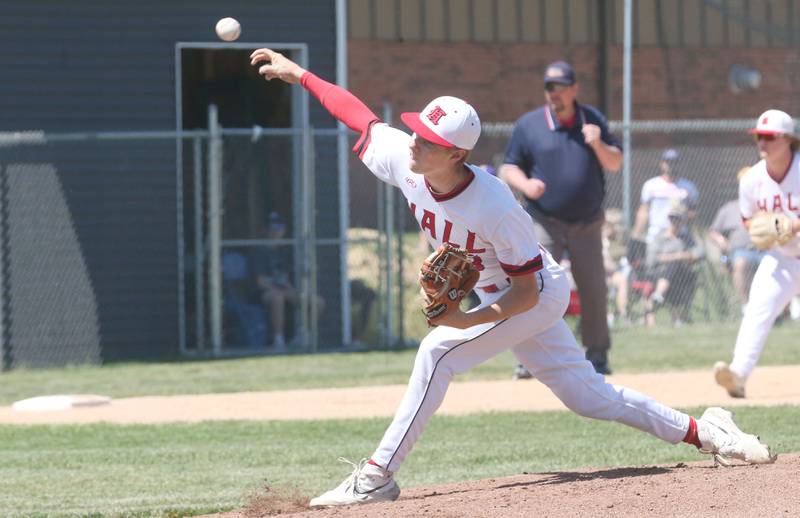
<point>224,77</point>
<point>257,173</point>
<point>258,182</point>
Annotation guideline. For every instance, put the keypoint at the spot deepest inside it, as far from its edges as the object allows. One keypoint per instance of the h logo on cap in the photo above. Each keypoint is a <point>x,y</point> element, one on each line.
<point>446,121</point>
<point>435,114</point>
<point>765,120</point>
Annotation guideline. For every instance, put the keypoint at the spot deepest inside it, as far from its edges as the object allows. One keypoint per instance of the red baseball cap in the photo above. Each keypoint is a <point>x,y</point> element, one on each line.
<point>446,121</point>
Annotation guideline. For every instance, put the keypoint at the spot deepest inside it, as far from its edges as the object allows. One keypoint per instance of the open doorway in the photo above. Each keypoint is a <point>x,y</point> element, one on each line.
<point>257,175</point>
<point>260,156</point>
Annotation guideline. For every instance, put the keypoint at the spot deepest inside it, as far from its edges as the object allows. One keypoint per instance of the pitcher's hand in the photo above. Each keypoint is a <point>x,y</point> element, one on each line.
<point>275,65</point>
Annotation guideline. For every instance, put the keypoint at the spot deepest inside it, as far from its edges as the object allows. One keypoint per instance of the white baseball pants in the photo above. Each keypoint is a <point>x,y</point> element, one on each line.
<point>544,344</point>
<point>775,282</point>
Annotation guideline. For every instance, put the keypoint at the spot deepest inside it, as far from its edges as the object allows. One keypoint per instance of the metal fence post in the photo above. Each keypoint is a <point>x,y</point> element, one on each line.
<point>344,225</point>
<point>199,248</point>
<point>4,360</point>
<point>626,116</point>
<point>309,318</point>
<point>389,190</point>
<point>215,229</point>
<point>401,214</point>
<point>383,266</point>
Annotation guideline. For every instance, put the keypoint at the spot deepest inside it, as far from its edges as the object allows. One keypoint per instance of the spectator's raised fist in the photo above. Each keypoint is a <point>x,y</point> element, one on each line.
<point>534,188</point>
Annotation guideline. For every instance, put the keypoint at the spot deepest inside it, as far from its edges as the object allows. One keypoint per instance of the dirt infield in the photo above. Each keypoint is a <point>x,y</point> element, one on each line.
<point>679,490</point>
<point>768,386</point>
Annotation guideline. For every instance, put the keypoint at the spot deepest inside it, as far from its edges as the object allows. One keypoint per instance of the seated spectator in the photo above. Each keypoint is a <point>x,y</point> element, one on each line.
<point>362,301</point>
<point>639,284</point>
<point>738,255</point>
<point>658,195</point>
<point>243,322</point>
<point>616,264</point>
<point>670,263</point>
<point>272,280</point>
<point>234,276</point>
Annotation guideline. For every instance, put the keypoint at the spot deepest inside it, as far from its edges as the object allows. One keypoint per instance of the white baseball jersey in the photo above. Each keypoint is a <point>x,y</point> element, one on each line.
<point>481,215</point>
<point>759,192</point>
<point>660,194</point>
<point>777,278</point>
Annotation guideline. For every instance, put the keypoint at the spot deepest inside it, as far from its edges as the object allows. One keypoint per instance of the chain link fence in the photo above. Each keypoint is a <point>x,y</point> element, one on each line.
<point>704,156</point>
<point>96,227</point>
<point>84,223</point>
<point>708,153</point>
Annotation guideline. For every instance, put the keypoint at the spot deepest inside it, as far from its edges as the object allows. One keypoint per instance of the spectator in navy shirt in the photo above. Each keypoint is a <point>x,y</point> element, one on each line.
<point>556,158</point>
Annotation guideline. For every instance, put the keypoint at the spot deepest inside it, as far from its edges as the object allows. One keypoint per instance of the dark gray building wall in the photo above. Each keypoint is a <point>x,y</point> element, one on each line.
<point>107,218</point>
<point>109,64</point>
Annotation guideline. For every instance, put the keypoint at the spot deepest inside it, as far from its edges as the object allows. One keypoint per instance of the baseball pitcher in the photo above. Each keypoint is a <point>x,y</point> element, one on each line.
<point>523,291</point>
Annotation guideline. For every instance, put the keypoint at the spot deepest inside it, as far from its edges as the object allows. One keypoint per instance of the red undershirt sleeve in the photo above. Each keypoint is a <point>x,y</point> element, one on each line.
<point>342,104</point>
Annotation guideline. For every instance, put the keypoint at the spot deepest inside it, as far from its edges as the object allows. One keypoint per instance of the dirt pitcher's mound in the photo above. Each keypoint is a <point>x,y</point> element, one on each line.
<point>689,490</point>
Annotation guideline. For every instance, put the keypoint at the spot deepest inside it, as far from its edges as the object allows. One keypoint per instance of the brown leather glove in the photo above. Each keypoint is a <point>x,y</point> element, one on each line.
<point>446,277</point>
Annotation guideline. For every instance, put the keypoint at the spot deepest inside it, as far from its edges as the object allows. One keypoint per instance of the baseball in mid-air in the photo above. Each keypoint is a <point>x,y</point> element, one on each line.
<point>228,29</point>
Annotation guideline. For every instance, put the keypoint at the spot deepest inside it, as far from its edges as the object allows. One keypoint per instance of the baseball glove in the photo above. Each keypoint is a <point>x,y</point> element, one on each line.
<point>768,228</point>
<point>446,276</point>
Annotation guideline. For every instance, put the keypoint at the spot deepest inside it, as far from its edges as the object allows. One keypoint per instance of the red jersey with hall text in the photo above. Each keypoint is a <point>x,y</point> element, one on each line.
<point>480,215</point>
<point>759,192</point>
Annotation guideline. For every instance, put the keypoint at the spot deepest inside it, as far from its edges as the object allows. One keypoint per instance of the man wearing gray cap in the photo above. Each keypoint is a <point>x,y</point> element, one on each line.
<point>556,158</point>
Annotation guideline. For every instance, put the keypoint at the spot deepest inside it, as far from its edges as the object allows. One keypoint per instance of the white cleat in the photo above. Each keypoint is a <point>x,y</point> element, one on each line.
<point>721,438</point>
<point>367,484</point>
<point>728,380</point>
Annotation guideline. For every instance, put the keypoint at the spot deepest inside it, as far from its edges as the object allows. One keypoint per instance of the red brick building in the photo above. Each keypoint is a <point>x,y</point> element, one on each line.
<point>493,52</point>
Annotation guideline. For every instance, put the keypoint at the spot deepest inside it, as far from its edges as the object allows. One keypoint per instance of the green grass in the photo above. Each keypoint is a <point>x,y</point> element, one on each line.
<point>636,349</point>
<point>115,470</point>
<point>105,470</point>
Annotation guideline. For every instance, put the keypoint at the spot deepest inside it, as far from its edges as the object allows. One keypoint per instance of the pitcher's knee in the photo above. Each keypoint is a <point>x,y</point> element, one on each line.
<point>597,402</point>
<point>433,354</point>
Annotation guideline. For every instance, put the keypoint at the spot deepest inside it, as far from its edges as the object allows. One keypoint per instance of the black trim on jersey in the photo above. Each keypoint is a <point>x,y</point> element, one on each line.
<point>534,265</point>
<point>365,139</point>
<point>428,386</point>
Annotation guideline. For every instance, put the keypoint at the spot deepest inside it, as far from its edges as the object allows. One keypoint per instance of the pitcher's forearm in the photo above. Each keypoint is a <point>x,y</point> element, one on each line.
<point>342,104</point>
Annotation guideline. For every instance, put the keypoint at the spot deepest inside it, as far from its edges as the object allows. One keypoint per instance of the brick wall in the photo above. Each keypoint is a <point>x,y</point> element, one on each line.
<point>504,80</point>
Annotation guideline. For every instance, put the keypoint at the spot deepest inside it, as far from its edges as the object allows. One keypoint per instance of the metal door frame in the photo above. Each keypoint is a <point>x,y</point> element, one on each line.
<point>298,52</point>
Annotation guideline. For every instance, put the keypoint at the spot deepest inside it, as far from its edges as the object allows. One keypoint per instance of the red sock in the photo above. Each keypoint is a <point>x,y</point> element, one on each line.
<point>691,434</point>
<point>370,461</point>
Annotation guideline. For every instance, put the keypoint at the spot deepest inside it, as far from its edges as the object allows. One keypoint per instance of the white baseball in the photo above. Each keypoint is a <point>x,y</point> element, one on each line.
<point>228,29</point>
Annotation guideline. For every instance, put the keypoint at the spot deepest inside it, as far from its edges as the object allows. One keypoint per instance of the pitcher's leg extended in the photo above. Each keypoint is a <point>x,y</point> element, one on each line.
<point>554,358</point>
<point>442,354</point>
